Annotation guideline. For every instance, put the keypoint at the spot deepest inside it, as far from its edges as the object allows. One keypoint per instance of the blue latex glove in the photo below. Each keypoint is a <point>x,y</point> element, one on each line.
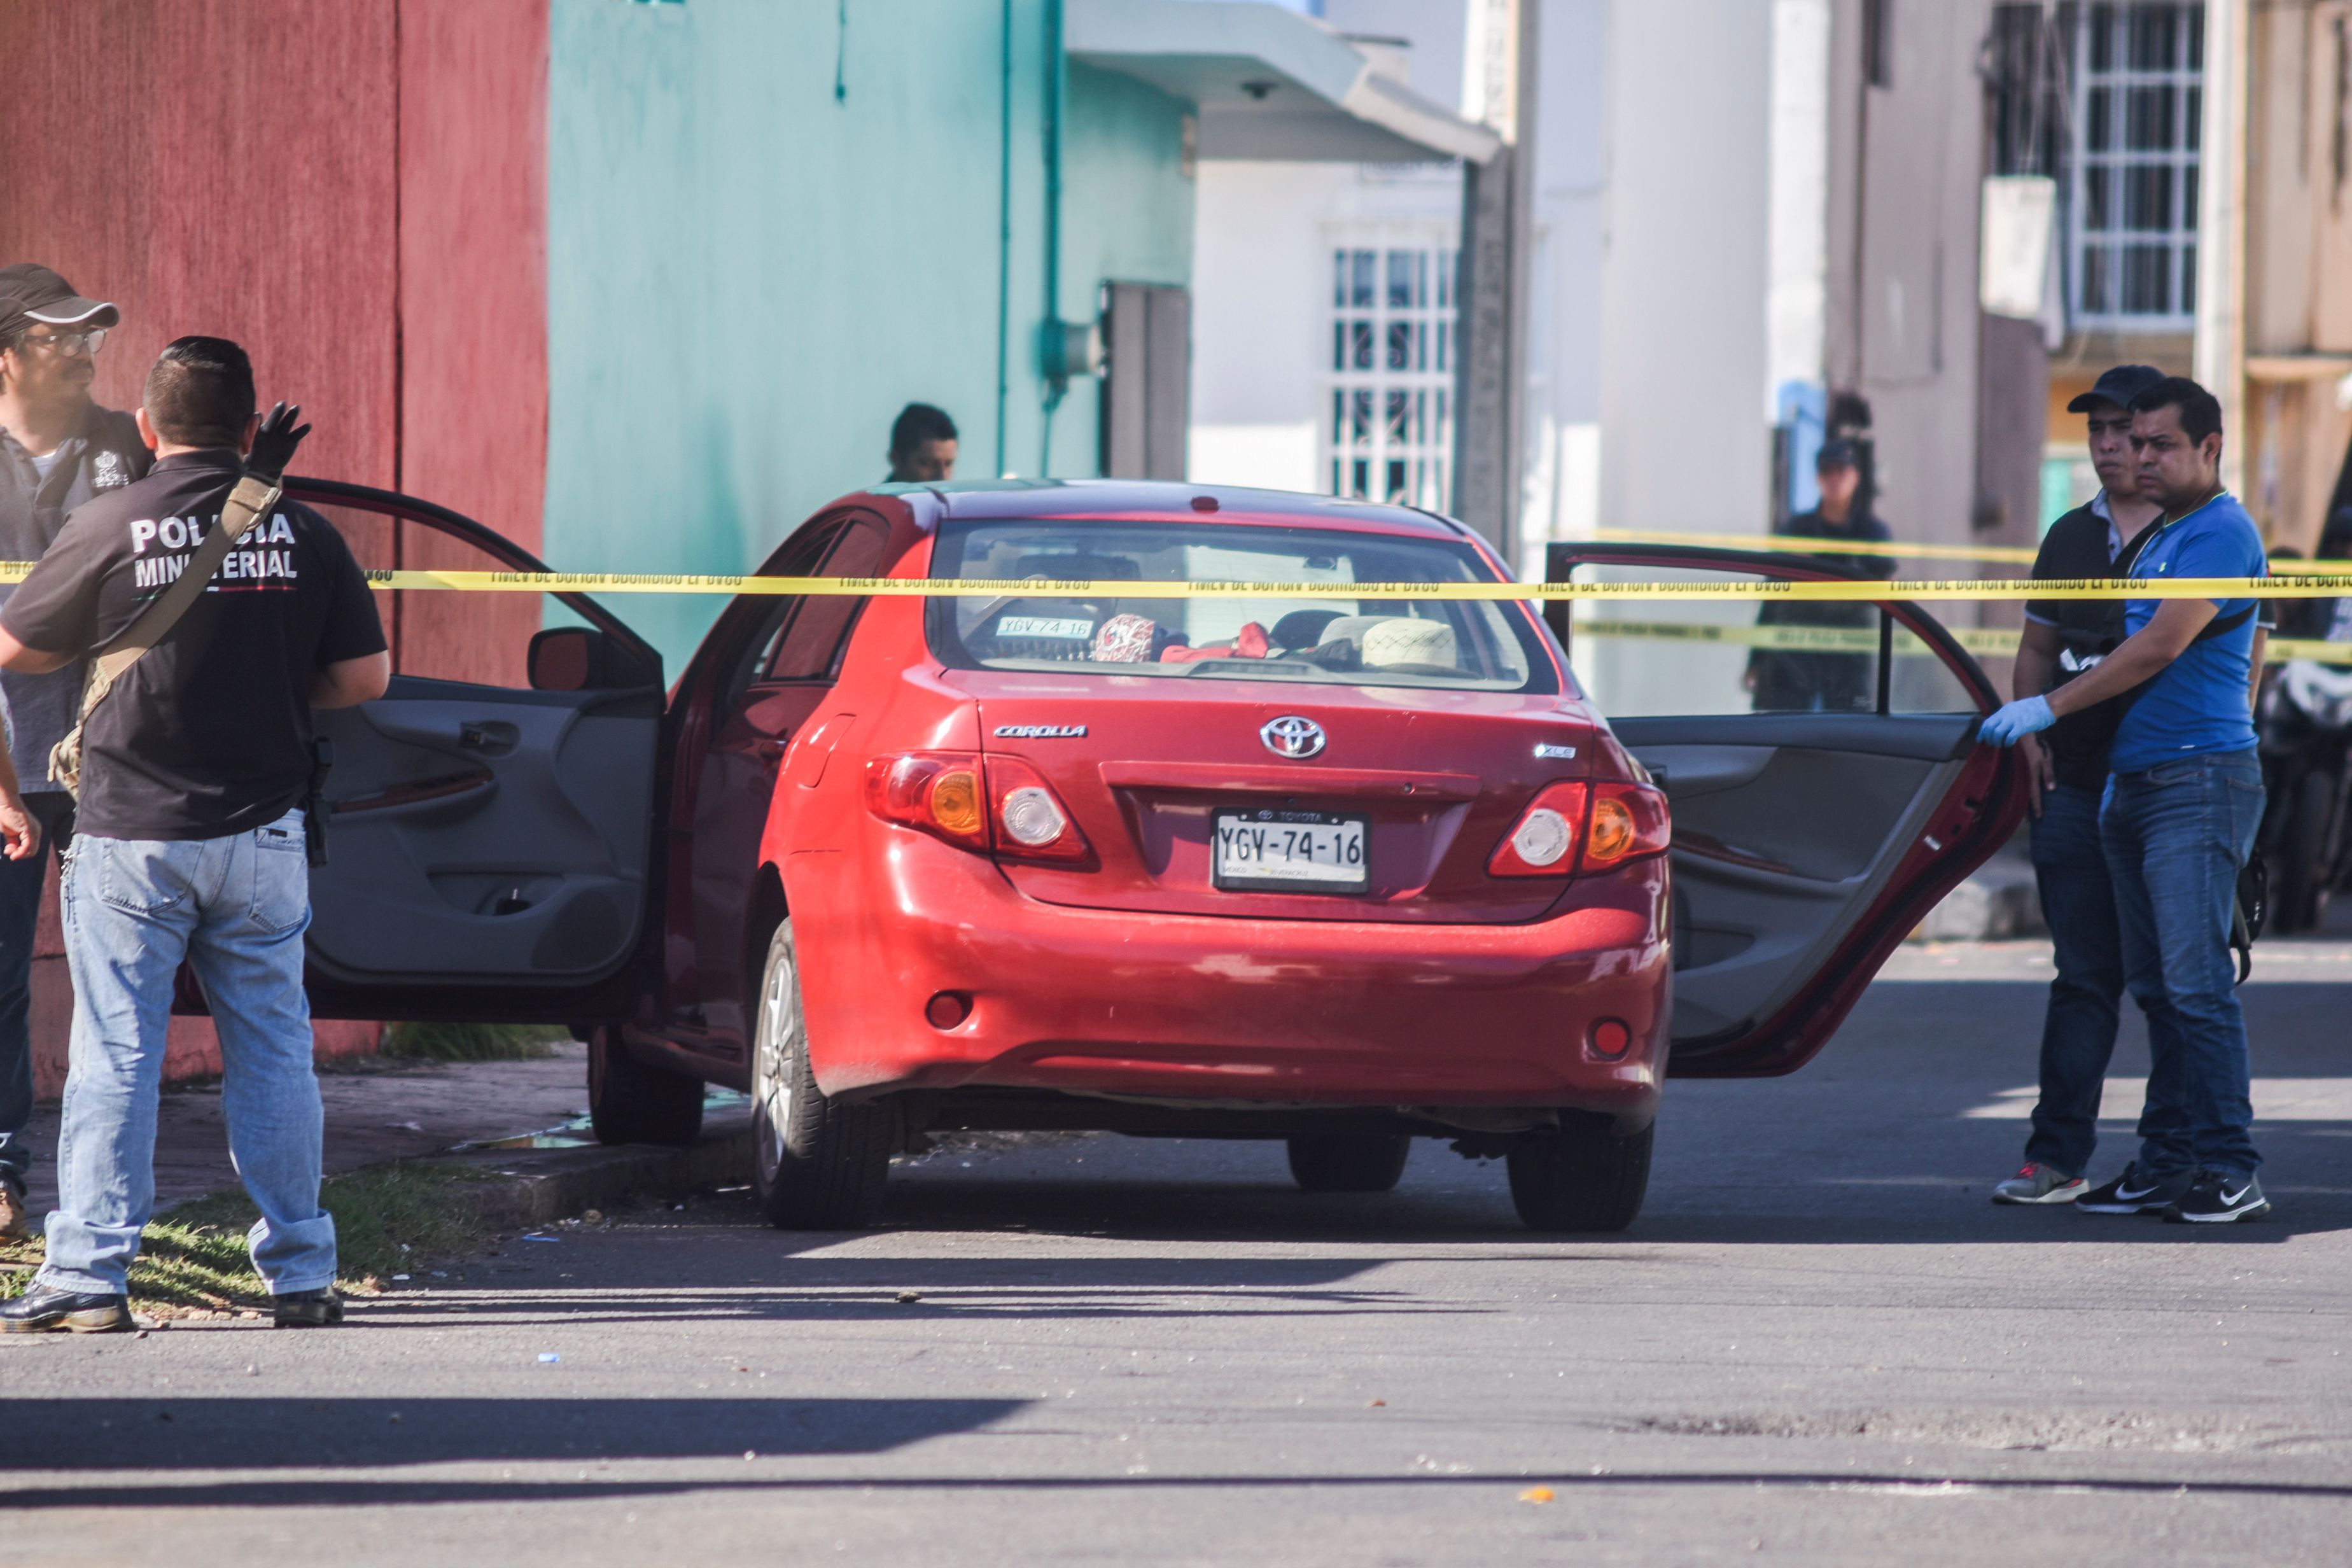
<point>2013,720</point>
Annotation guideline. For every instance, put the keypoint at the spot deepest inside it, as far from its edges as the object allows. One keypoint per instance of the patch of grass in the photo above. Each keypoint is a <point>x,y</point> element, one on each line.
<point>194,1258</point>
<point>473,1042</point>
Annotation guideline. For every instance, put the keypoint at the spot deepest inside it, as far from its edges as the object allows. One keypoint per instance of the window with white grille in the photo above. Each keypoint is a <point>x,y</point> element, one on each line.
<point>2132,192</point>
<point>1387,435</point>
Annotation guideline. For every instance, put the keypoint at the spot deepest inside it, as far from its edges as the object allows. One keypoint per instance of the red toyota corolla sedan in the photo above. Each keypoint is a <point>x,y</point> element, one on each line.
<point>1344,871</point>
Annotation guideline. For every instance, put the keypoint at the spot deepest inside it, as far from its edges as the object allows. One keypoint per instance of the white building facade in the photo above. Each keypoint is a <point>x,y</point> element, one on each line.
<point>1677,273</point>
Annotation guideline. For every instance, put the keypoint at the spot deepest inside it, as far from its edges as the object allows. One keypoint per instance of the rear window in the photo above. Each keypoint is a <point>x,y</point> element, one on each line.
<point>1342,638</point>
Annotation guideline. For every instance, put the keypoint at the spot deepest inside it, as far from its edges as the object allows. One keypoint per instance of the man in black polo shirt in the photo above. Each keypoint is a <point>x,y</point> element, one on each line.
<point>190,842</point>
<point>57,449</point>
<point>2064,638</point>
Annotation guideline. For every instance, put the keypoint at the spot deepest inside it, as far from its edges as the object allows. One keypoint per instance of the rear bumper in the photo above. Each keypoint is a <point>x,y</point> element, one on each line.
<point>1230,1012</point>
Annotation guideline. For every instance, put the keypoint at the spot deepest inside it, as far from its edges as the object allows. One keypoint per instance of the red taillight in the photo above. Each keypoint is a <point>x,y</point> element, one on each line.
<point>938,792</point>
<point>1005,805</point>
<point>1030,821</point>
<point>1543,842</point>
<point>1579,827</point>
<point>1629,822</point>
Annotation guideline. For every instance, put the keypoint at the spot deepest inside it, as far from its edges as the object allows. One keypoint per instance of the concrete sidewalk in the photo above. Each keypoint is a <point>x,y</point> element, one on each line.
<point>377,1109</point>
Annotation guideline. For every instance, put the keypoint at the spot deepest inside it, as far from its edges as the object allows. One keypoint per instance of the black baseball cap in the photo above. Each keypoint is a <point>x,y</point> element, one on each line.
<point>2118,386</point>
<point>1837,452</point>
<point>29,292</point>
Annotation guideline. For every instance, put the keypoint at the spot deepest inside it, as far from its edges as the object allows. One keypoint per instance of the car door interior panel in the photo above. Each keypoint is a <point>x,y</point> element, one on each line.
<point>1787,827</point>
<point>482,832</point>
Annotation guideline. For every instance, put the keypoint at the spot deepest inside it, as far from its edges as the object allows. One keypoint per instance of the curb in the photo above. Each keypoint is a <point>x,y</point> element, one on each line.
<point>512,1187</point>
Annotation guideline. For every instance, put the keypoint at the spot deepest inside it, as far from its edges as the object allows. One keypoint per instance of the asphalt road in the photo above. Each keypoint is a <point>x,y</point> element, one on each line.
<point>1819,1346</point>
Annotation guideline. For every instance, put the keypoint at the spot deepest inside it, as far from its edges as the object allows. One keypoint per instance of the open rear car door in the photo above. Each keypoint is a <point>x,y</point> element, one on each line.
<point>492,814</point>
<point>1826,786</point>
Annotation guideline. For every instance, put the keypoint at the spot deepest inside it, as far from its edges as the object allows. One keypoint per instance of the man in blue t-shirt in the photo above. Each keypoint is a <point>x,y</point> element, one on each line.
<point>2183,800</point>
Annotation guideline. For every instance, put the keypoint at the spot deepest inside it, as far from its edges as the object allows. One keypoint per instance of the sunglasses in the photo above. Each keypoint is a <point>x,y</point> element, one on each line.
<point>70,345</point>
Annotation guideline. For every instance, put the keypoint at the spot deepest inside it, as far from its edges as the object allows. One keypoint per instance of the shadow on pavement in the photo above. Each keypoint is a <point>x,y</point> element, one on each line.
<point>355,1490</point>
<point>167,1434</point>
<point>634,1286</point>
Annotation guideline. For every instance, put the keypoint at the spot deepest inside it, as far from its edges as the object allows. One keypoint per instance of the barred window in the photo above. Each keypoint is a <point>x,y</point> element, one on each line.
<point>1389,434</point>
<point>2138,101</point>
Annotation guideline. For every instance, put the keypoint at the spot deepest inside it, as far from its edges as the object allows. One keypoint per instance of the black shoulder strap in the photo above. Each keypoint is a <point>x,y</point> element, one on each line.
<point>2222,626</point>
<point>2139,541</point>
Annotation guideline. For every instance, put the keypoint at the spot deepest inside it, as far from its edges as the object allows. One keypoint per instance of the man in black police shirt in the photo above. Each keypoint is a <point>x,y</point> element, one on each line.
<point>57,449</point>
<point>190,842</point>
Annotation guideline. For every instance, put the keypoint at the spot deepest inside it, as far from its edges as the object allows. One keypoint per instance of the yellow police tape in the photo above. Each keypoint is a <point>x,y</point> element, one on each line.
<point>1797,544</point>
<point>2000,641</point>
<point>2312,585</point>
<point>1729,590</point>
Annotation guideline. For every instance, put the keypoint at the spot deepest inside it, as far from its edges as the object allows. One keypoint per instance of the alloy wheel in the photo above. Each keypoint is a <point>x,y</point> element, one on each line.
<point>772,1067</point>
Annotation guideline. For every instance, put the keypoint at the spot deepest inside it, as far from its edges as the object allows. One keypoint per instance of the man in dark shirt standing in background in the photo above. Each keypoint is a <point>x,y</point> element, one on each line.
<point>922,446</point>
<point>1789,680</point>
<point>57,449</point>
<point>2064,638</point>
<point>190,843</point>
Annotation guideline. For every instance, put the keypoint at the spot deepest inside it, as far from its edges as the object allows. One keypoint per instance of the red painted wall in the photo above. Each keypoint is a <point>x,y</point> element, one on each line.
<point>355,190</point>
<point>219,166</point>
<point>473,310</point>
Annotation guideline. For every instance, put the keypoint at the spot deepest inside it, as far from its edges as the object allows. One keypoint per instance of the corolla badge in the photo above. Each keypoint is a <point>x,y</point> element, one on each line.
<point>1292,736</point>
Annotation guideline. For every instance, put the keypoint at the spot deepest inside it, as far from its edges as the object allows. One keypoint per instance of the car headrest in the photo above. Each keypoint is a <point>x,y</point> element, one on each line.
<point>1301,628</point>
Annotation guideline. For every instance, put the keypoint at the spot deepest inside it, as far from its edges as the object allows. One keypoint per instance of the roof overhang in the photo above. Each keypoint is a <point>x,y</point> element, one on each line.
<point>1270,83</point>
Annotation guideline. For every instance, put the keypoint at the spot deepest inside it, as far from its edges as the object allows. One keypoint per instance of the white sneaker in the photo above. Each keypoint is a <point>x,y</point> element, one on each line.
<point>2038,1183</point>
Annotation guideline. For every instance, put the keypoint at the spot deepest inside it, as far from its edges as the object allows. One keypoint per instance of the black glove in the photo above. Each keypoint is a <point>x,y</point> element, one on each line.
<point>274,443</point>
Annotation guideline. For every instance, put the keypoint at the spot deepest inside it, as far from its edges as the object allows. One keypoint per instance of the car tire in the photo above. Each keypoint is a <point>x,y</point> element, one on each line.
<point>816,1164</point>
<point>1349,1162</point>
<point>631,1102</point>
<point>1580,1178</point>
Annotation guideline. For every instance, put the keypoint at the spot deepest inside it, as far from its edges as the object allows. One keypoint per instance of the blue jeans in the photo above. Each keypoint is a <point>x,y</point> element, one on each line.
<point>20,918</point>
<point>236,909</point>
<point>2078,1031</point>
<point>2177,837</point>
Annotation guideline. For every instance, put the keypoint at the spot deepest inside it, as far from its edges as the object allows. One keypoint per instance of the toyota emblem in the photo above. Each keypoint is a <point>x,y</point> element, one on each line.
<point>1292,736</point>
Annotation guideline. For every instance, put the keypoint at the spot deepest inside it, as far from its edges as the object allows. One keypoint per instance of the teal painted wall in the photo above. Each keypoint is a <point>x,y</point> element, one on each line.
<point>747,275</point>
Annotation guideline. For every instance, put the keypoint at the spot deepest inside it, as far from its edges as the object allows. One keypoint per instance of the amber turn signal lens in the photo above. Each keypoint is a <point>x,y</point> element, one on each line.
<point>1629,822</point>
<point>936,793</point>
<point>955,801</point>
<point>1612,833</point>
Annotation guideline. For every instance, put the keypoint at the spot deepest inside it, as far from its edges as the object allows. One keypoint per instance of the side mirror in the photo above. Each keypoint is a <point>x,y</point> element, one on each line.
<point>581,659</point>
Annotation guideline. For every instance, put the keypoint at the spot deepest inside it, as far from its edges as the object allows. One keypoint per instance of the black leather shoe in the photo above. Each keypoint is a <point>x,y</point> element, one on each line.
<point>43,1307</point>
<point>307,1308</point>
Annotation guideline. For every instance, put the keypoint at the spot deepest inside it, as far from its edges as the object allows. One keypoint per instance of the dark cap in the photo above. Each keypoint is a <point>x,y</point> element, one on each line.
<point>1837,454</point>
<point>32,293</point>
<point>2117,386</point>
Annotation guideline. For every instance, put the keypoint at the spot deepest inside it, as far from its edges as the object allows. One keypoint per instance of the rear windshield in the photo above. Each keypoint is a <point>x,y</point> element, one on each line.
<point>1343,638</point>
